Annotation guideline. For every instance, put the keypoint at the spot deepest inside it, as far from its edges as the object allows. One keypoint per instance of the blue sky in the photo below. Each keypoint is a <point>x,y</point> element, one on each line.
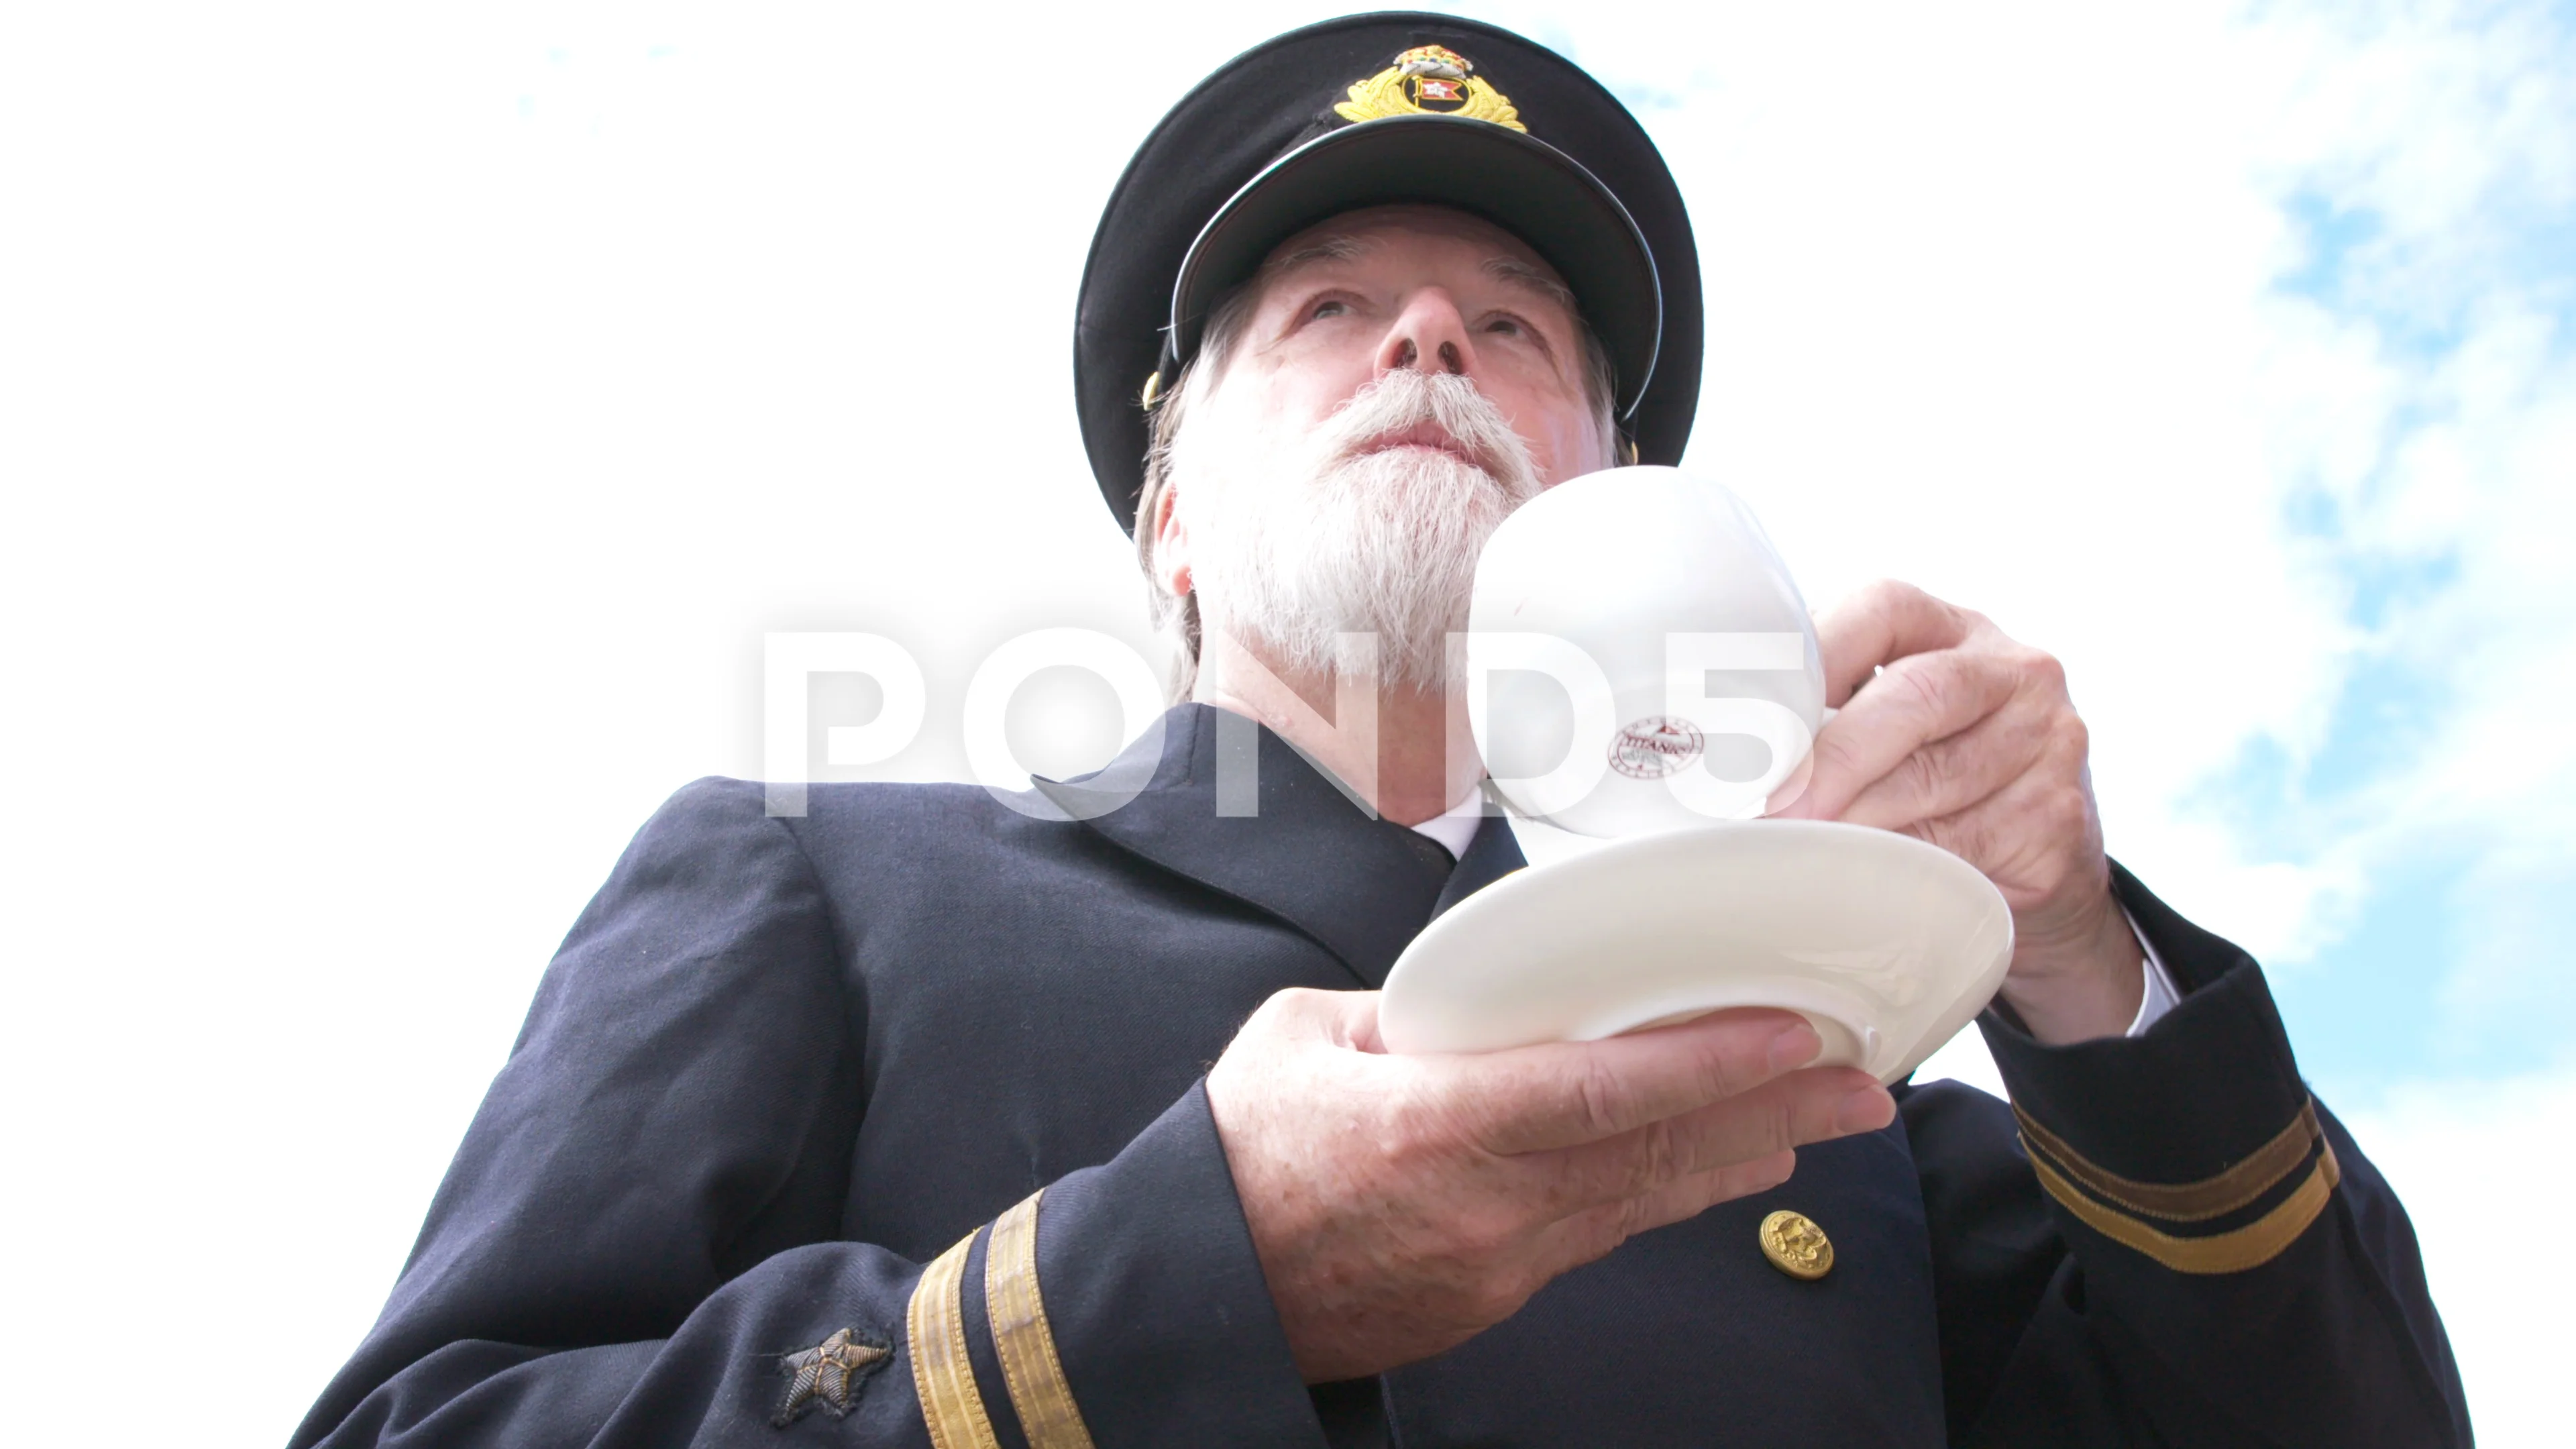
<point>428,413</point>
<point>2375,1005</point>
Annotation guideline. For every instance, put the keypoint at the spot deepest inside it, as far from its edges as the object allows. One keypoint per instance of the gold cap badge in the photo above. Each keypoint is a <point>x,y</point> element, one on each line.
<point>1429,80</point>
<point>1796,1246</point>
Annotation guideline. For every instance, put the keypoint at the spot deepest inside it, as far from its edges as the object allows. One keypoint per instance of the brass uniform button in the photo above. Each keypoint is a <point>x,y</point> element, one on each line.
<point>1796,1246</point>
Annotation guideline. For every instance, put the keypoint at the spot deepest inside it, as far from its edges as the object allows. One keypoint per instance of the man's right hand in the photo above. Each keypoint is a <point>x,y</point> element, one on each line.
<point>1401,1205</point>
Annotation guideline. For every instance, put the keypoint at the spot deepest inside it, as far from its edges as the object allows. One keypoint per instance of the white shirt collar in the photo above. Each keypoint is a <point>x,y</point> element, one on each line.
<point>1456,826</point>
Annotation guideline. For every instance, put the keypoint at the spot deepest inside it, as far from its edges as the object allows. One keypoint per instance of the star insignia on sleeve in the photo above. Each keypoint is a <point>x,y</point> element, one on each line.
<point>831,1374</point>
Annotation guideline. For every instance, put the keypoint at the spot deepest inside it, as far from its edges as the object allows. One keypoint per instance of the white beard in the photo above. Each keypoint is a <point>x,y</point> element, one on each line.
<point>1339,541</point>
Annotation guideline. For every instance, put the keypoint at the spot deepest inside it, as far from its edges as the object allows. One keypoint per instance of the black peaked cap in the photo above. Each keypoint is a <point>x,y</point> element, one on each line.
<point>1366,111</point>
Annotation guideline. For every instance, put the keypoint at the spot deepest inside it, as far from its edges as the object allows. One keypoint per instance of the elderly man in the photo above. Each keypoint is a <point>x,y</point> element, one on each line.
<point>927,1117</point>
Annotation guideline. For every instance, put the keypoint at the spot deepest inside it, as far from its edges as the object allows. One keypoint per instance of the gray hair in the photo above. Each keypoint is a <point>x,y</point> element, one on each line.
<point>1176,617</point>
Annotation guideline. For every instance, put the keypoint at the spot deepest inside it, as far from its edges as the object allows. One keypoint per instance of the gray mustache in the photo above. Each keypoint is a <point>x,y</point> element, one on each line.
<point>1406,399</point>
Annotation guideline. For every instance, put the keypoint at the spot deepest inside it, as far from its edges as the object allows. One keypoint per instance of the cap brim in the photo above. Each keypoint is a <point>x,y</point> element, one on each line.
<point>1521,184</point>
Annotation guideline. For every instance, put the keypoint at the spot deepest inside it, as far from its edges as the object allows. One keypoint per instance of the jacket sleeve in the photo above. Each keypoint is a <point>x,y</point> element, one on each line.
<point>639,1241</point>
<point>2165,1240</point>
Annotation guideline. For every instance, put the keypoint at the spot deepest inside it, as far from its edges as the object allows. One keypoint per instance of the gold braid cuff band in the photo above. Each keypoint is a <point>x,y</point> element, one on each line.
<point>2115,1206</point>
<point>2189,1202</point>
<point>942,1375</point>
<point>1021,1336</point>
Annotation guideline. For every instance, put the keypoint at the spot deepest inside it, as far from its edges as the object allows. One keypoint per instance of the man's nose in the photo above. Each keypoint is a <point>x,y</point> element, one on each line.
<point>1429,335</point>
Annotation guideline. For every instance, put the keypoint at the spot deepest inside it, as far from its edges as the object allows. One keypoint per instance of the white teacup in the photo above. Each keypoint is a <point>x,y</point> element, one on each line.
<point>1638,656</point>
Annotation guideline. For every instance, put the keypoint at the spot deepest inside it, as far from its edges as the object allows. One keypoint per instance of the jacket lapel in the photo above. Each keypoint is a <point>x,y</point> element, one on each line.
<point>1492,854</point>
<point>1361,887</point>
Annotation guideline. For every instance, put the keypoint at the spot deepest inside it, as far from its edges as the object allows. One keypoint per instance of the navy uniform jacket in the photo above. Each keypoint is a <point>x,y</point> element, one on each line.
<point>885,1126</point>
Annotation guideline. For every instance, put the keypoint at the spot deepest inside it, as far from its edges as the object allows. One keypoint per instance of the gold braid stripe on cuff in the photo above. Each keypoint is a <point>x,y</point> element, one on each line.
<point>2113,1205</point>
<point>1021,1337</point>
<point>942,1375</point>
<point>2250,1246</point>
<point>2188,1202</point>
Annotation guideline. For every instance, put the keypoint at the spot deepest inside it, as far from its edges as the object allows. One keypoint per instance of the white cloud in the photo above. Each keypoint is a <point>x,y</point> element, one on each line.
<point>2472,1165</point>
<point>416,422</point>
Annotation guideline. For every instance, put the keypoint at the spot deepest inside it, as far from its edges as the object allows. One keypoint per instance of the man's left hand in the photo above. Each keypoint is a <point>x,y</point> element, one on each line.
<point>1967,739</point>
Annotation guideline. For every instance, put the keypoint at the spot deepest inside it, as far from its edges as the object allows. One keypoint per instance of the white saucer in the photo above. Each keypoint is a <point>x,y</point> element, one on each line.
<point>1885,944</point>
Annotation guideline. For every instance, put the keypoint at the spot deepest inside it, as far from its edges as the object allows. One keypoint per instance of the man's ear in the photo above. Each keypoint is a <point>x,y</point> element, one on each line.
<point>1172,561</point>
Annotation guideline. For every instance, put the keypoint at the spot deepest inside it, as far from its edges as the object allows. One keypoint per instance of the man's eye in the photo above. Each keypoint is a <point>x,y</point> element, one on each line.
<point>1506,326</point>
<point>1328,309</point>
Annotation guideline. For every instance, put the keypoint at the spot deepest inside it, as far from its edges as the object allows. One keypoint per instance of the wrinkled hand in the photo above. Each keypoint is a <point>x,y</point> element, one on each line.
<point>1400,1205</point>
<point>1968,740</point>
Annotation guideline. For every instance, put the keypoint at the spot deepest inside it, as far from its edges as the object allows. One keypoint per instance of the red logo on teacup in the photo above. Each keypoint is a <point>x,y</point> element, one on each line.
<point>1653,747</point>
